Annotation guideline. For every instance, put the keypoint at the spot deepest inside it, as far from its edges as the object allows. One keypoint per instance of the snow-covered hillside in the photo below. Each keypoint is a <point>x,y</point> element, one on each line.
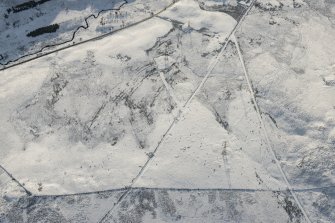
<point>194,111</point>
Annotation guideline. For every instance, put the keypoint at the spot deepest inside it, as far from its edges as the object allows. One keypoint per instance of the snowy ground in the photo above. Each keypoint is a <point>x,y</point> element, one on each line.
<point>195,115</point>
<point>292,75</point>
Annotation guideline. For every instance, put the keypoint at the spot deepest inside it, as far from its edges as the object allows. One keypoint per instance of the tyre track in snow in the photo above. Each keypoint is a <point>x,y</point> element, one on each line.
<point>259,115</point>
<point>226,163</point>
<point>298,190</point>
<point>16,181</point>
<point>185,106</point>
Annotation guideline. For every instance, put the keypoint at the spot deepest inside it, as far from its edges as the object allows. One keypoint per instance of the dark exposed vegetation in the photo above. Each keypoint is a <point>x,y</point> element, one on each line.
<point>268,6</point>
<point>292,210</point>
<point>27,5</point>
<point>46,29</point>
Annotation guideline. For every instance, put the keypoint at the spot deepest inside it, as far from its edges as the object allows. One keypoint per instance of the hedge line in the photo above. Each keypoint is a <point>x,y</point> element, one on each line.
<point>27,5</point>
<point>46,29</point>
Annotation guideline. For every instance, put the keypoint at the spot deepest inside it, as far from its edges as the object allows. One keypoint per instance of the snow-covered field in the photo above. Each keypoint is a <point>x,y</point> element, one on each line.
<point>197,114</point>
